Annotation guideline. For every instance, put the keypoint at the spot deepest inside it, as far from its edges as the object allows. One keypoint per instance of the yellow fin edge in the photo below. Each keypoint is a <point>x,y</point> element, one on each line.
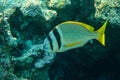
<point>81,24</point>
<point>101,39</point>
<point>72,44</point>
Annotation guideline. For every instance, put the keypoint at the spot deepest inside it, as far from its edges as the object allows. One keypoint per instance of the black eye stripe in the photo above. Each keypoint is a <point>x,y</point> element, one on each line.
<point>57,35</point>
<point>50,40</point>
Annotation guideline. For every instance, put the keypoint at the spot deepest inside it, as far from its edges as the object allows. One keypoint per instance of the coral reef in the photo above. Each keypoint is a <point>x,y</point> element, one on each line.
<point>8,6</point>
<point>108,9</point>
<point>43,58</point>
<point>6,67</point>
<point>6,37</point>
<point>12,14</point>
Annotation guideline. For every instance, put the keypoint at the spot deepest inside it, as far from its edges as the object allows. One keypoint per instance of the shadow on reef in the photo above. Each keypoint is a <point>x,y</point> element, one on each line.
<point>65,68</point>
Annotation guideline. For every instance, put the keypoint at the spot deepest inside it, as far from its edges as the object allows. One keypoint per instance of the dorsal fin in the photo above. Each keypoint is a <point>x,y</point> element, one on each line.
<point>81,24</point>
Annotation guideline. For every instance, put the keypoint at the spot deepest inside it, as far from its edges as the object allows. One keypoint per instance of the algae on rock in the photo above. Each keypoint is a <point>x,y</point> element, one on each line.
<point>58,4</point>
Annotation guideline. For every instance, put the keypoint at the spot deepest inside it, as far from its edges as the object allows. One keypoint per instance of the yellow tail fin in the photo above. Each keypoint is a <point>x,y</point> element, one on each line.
<point>101,34</point>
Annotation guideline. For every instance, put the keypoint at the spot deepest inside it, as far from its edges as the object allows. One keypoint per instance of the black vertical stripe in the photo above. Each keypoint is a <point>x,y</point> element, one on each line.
<point>50,40</point>
<point>57,35</point>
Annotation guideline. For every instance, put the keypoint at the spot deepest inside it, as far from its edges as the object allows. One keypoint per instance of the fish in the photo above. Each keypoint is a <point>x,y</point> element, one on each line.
<point>71,34</point>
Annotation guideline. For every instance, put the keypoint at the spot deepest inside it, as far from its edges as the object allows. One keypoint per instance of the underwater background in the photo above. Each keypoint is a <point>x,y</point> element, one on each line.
<point>24,24</point>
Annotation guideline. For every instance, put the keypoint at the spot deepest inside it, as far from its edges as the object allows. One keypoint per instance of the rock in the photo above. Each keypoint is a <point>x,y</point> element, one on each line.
<point>108,10</point>
<point>58,4</point>
<point>37,8</point>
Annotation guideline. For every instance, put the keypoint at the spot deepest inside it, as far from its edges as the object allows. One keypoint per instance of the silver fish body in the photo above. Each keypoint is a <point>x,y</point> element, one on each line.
<point>69,35</point>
